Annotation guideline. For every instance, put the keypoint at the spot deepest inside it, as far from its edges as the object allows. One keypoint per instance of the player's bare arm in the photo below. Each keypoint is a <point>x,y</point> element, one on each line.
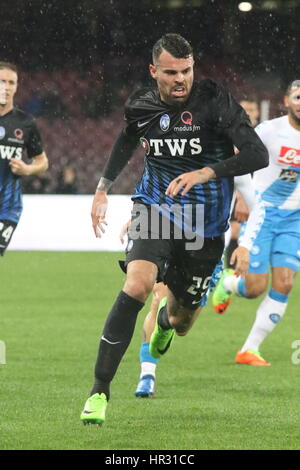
<point>121,153</point>
<point>124,231</point>
<point>99,206</point>
<point>241,211</point>
<point>240,257</point>
<point>188,180</point>
<point>38,165</point>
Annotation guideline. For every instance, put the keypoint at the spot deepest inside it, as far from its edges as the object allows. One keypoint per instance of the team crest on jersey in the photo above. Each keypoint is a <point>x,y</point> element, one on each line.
<point>187,118</point>
<point>164,122</point>
<point>255,250</point>
<point>145,144</point>
<point>18,133</point>
<point>2,132</point>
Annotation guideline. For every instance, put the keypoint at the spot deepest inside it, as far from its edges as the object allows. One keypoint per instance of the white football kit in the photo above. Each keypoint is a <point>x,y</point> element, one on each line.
<point>277,241</point>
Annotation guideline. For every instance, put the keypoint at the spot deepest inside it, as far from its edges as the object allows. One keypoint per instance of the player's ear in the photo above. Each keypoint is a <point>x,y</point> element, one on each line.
<point>286,101</point>
<point>153,71</point>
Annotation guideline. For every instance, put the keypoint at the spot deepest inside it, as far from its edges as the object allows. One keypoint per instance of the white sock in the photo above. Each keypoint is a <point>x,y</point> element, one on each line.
<point>147,368</point>
<point>231,283</point>
<point>269,313</point>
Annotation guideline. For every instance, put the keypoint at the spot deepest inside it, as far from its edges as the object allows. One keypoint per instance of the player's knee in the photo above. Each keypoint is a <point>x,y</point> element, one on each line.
<point>284,285</point>
<point>180,325</point>
<point>138,288</point>
<point>256,288</point>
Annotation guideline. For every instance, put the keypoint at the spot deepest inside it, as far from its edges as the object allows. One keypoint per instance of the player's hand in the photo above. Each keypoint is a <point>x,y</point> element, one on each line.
<point>241,211</point>
<point>124,231</point>
<point>98,213</point>
<point>18,167</point>
<point>240,257</point>
<point>188,180</point>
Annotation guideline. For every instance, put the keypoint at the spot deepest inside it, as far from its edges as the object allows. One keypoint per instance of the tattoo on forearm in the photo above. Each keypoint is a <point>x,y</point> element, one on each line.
<point>104,184</point>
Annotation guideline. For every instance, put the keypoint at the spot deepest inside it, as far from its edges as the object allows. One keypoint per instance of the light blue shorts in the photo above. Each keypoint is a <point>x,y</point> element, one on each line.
<point>277,244</point>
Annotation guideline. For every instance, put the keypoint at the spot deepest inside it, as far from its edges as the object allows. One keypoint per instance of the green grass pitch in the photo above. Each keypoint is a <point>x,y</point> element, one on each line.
<point>53,306</point>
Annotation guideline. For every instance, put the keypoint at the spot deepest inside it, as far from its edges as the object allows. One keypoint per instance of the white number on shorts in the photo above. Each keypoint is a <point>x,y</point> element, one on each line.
<point>198,285</point>
<point>6,234</point>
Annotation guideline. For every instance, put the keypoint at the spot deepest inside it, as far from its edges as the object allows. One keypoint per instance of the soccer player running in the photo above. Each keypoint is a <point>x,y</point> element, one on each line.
<point>240,212</point>
<point>277,243</point>
<point>18,133</point>
<point>188,131</point>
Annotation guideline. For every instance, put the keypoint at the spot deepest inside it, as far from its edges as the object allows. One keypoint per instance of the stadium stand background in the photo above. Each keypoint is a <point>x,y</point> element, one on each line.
<point>78,62</point>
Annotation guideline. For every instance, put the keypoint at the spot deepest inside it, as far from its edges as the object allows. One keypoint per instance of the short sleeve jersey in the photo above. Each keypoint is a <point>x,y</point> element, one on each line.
<point>18,134</point>
<point>180,139</point>
<point>279,183</point>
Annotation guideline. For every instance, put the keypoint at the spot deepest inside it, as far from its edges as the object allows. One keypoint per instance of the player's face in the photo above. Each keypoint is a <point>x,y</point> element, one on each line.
<point>174,77</point>
<point>8,86</point>
<point>292,102</point>
<point>251,108</point>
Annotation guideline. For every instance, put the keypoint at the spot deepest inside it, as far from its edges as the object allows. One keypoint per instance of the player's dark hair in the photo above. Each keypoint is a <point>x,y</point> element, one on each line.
<point>8,65</point>
<point>173,43</point>
<point>293,84</point>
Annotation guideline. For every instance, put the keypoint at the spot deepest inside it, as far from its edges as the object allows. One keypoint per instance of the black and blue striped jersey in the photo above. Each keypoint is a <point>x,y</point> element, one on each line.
<point>18,133</point>
<point>180,139</point>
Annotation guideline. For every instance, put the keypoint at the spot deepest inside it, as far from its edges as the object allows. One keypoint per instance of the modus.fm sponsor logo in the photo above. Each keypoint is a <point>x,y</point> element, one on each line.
<point>187,119</point>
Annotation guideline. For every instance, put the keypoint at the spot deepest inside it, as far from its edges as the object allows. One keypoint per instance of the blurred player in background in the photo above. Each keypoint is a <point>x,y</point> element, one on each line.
<point>277,244</point>
<point>240,212</point>
<point>188,131</point>
<point>18,133</point>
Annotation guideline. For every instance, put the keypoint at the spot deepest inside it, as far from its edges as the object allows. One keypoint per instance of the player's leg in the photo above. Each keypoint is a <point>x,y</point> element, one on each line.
<point>233,242</point>
<point>7,229</point>
<point>145,387</point>
<point>255,282</point>
<point>269,313</point>
<point>285,262</point>
<point>117,334</point>
<point>188,281</point>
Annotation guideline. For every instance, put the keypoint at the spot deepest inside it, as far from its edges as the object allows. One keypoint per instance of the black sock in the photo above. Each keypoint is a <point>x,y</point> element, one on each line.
<point>117,334</point>
<point>163,319</point>
<point>233,244</point>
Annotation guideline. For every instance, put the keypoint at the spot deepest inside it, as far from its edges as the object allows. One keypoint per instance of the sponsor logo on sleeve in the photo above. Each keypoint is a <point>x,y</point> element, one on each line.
<point>145,144</point>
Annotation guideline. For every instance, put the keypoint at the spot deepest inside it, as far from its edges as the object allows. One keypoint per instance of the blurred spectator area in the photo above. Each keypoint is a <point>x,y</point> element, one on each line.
<point>79,115</point>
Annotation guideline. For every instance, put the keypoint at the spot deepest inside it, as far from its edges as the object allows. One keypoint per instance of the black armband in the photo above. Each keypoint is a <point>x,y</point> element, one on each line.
<point>121,153</point>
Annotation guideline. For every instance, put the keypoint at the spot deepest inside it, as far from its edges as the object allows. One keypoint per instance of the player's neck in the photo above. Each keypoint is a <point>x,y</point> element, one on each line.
<point>6,108</point>
<point>294,123</point>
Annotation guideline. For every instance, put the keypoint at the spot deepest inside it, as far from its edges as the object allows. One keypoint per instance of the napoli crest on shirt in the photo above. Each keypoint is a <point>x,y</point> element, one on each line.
<point>2,132</point>
<point>164,122</point>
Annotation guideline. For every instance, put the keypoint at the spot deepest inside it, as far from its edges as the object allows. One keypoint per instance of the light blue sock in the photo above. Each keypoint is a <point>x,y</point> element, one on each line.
<point>145,355</point>
<point>241,288</point>
<point>275,295</point>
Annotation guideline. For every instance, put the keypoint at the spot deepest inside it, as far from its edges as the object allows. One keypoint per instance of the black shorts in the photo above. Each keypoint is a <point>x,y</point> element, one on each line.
<point>186,272</point>
<point>7,228</point>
